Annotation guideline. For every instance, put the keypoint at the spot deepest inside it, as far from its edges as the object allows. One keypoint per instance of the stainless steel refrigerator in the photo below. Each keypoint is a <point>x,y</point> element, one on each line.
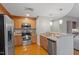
<point>6,35</point>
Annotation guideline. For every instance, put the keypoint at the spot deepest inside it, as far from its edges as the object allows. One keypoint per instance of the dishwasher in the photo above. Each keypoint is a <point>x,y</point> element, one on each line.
<point>51,47</point>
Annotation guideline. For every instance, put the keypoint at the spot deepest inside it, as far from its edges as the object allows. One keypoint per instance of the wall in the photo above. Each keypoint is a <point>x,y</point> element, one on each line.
<point>56,26</point>
<point>63,27</point>
<point>42,26</point>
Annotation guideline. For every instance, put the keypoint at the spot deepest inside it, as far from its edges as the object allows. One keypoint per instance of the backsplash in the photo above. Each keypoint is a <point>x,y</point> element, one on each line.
<point>19,31</point>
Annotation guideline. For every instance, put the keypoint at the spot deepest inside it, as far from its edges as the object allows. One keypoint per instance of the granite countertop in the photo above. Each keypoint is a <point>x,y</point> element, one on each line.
<point>50,37</point>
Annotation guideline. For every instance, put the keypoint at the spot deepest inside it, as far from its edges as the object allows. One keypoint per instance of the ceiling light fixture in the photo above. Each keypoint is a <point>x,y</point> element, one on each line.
<point>51,23</point>
<point>60,21</point>
<point>28,14</point>
<point>28,11</point>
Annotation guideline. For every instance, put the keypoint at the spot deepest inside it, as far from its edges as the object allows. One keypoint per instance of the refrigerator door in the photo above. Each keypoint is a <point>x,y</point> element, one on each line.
<point>9,42</point>
<point>2,43</point>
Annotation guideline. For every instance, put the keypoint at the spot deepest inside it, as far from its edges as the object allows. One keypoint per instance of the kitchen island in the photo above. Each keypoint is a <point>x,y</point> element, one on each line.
<point>57,44</point>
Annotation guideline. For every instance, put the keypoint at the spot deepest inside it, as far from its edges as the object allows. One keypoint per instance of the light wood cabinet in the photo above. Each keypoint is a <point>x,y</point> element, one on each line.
<point>3,10</point>
<point>18,40</point>
<point>34,38</point>
<point>44,42</point>
<point>18,21</point>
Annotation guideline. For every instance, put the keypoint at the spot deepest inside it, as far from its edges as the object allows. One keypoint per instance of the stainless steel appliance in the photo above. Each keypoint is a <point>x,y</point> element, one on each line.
<point>26,33</point>
<point>6,35</point>
<point>51,47</point>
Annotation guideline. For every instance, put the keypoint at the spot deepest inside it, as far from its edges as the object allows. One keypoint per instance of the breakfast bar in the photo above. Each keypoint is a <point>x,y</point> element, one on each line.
<point>57,44</point>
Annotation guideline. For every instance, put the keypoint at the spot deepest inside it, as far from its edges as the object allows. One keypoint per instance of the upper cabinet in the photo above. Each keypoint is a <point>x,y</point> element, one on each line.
<point>72,26</point>
<point>18,21</point>
<point>3,10</point>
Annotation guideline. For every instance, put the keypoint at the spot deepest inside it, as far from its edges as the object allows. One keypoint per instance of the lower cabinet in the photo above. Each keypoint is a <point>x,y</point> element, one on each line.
<point>48,45</point>
<point>18,40</point>
<point>44,42</point>
<point>34,38</point>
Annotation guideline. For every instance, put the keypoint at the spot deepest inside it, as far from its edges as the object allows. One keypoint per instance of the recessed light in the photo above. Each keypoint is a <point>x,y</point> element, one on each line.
<point>27,14</point>
<point>60,21</point>
<point>50,23</point>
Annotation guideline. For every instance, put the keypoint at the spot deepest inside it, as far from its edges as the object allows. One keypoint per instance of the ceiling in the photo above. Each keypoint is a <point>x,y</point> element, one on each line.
<point>55,10</point>
<point>75,11</point>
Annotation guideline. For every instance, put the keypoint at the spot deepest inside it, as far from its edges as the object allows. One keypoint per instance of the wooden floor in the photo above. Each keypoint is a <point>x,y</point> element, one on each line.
<point>32,49</point>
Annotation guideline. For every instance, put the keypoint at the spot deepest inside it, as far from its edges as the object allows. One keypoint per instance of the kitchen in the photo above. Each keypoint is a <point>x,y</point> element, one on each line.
<point>38,34</point>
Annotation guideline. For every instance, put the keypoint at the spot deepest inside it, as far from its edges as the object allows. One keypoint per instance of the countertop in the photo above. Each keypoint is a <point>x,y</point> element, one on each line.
<point>52,36</point>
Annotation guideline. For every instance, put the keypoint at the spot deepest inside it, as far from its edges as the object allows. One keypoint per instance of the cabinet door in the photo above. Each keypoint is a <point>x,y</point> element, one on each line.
<point>44,42</point>
<point>41,42</point>
<point>34,38</point>
<point>18,40</point>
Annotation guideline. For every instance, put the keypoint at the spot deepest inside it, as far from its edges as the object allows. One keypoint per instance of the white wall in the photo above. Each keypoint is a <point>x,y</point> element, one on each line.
<point>42,26</point>
<point>63,27</point>
<point>56,26</point>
